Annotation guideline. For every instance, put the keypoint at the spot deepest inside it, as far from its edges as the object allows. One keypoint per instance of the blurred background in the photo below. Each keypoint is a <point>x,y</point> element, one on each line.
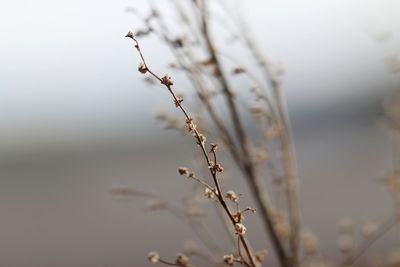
<point>76,119</point>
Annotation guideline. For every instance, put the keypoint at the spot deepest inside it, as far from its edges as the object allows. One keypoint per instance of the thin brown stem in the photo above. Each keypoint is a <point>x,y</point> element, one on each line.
<point>200,142</point>
<point>247,168</point>
<point>194,74</point>
<point>242,260</point>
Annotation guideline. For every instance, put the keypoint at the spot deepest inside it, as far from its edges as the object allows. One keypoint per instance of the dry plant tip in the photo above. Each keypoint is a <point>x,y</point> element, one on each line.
<point>130,35</point>
<point>153,257</point>
<point>229,259</point>
<point>183,171</point>
<point>213,148</point>
<point>232,196</point>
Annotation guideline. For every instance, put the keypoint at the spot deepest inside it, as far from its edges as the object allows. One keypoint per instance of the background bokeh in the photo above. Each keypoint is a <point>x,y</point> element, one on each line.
<point>76,119</point>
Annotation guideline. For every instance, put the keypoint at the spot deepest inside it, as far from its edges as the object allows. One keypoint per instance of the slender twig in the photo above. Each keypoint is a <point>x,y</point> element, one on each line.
<point>242,260</point>
<point>200,143</point>
<point>194,74</point>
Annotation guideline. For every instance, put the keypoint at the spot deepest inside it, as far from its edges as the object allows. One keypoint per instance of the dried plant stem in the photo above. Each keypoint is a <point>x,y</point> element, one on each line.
<point>240,253</point>
<point>247,167</point>
<point>289,160</point>
<point>260,195</point>
<point>203,149</point>
<point>194,74</point>
<point>224,83</point>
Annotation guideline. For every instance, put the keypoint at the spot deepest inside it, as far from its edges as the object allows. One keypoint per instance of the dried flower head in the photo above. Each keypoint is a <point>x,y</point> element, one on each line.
<point>183,171</point>
<point>178,102</point>
<point>345,243</point>
<point>231,195</point>
<point>167,80</point>
<point>190,125</point>
<point>213,148</point>
<point>261,255</point>
<point>182,260</point>
<point>240,229</point>
<point>370,230</point>
<point>238,216</point>
<point>216,167</point>
<point>209,193</point>
<point>130,35</point>
<point>229,259</point>
<point>310,243</point>
<point>153,257</point>
<point>202,140</point>
<point>142,68</point>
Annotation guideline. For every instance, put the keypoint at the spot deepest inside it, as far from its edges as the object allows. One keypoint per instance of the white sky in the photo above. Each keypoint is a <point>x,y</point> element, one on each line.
<point>67,72</point>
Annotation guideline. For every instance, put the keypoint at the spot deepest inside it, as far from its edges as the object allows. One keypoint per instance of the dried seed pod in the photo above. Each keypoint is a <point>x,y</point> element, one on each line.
<point>240,229</point>
<point>345,243</point>
<point>229,259</point>
<point>153,257</point>
<point>369,230</point>
<point>183,171</point>
<point>142,68</point>
<point>167,80</point>
<point>231,195</point>
<point>310,243</point>
<point>182,260</point>
<point>210,194</point>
